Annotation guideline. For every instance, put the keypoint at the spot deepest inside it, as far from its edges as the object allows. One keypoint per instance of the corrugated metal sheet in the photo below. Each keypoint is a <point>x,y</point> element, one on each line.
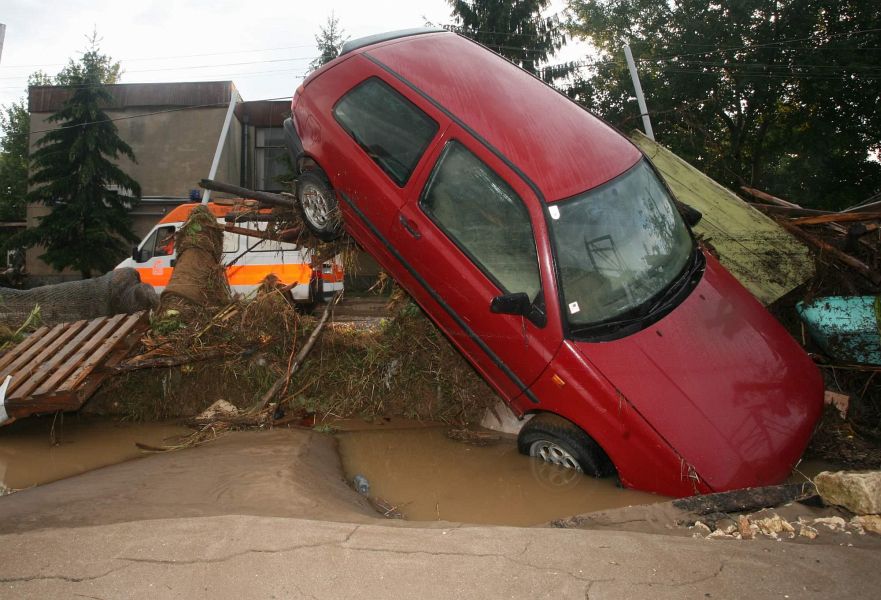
<point>764,257</point>
<point>58,368</point>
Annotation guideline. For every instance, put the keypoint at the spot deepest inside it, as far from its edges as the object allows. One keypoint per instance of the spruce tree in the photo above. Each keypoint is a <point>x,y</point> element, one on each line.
<point>517,29</point>
<point>329,41</point>
<point>74,173</point>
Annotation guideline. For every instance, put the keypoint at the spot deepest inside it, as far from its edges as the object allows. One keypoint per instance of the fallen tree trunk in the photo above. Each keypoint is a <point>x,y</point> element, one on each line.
<point>265,197</point>
<point>746,500</point>
<point>198,278</point>
<point>116,292</point>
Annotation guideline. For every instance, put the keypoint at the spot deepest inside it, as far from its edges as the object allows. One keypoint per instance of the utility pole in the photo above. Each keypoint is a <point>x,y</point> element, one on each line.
<point>2,35</point>
<point>640,98</point>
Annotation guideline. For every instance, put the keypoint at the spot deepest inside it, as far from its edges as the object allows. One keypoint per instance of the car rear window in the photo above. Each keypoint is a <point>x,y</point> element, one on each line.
<point>392,130</point>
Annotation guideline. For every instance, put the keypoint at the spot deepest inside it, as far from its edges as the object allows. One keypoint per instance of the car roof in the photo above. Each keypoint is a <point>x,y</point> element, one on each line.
<point>558,145</point>
<point>377,38</point>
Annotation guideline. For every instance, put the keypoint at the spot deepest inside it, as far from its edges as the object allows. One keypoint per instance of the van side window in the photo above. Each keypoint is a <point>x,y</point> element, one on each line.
<point>158,243</point>
<point>485,218</point>
<point>393,131</point>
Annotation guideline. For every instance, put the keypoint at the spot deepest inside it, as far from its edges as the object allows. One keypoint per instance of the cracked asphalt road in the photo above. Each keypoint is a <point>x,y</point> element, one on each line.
<point>275,557</point>
<point>268,515</point>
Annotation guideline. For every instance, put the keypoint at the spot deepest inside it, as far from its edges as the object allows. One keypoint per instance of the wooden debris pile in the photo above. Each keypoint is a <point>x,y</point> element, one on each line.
<point>845,242</point>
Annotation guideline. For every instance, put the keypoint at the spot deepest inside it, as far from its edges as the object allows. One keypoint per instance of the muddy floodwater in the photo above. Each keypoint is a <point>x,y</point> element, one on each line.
<point>430,477</point>
<point>31,454</point>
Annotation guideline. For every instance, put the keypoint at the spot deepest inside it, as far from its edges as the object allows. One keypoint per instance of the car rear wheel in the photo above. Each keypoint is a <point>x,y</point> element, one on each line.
<point>555,440</point>
<point>319,206</point>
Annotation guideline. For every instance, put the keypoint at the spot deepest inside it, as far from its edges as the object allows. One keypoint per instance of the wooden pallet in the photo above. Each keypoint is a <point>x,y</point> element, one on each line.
<point>58,368</point>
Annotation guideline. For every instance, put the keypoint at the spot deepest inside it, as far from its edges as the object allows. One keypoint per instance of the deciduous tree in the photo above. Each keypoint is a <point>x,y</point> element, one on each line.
<point>780,95</point>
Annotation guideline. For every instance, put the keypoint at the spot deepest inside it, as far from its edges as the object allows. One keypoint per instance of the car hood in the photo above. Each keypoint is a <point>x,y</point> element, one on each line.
<point>721,381</point>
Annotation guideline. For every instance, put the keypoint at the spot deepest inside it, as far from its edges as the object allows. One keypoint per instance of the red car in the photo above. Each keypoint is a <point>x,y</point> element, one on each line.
<point>548,249</point>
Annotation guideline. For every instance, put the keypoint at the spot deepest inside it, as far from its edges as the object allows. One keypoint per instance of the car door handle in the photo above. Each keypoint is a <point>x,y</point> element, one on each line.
<point>410,227</point>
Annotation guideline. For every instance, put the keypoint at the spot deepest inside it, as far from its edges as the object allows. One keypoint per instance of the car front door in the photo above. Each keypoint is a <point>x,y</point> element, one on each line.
<point>469,233</point>
<point>155,259</point>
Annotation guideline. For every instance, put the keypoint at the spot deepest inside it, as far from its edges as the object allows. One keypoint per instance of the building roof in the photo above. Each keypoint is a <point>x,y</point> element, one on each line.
<point>560,146</point>
<point>50,98</point>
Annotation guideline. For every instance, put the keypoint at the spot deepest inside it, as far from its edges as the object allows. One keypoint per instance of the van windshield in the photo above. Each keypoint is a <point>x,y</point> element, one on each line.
<point>619,246</point>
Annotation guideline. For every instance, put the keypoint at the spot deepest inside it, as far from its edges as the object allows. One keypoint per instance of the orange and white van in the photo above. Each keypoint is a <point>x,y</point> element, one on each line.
<point>248,259</point>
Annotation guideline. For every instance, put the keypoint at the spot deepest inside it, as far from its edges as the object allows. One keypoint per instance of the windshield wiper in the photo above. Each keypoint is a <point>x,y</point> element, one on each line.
<point>662,302</point>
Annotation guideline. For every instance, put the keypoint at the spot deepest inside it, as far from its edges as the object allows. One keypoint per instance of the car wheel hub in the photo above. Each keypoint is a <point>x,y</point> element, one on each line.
<point>315,206</point>
<point>554,453</point>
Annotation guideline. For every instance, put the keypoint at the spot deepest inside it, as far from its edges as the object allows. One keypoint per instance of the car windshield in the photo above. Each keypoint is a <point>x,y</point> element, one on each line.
<point>618,246</point>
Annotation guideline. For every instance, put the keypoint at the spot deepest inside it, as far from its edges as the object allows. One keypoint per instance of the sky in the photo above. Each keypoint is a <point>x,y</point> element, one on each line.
<point>264,47</point>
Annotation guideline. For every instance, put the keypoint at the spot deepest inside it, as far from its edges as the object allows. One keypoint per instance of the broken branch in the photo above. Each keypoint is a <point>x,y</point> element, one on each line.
<point>301,356</point>
<point>856,264</point>
<point>139,362</point>
<point>265,197</point>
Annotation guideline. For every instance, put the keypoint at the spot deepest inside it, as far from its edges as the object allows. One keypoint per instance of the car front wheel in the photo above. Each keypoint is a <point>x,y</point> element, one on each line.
<point>319,207</point>
<point>555,440</point>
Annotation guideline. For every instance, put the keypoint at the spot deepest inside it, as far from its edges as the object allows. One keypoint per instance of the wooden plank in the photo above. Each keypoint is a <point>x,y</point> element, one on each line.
<point>22,347</point>
<point>75,353</point>
<point>27,356</point>
<point>837,218</point>
<point>40,368</point>
<point>764,257</point>
<point>95,358</point>
<point>33,405</point>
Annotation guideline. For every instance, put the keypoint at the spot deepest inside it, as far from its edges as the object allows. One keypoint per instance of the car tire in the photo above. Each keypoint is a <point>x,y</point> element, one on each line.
<point>556,440</point>
<point>318,206</point>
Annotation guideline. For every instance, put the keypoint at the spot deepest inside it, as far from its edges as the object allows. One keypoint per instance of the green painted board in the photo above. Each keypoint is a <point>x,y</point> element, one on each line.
<point>766,259</point>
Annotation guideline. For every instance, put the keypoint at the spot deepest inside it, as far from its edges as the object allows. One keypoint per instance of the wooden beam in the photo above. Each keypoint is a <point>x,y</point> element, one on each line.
<point>837,218</point>
<point>768,197</point>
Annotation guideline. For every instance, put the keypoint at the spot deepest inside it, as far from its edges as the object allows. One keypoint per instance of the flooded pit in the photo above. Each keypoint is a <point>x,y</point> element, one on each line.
<point>31,455</point>
<point>429,477</point>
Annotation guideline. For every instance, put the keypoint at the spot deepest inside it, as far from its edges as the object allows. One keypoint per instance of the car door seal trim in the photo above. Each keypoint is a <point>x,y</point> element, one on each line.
<point>437,298</point>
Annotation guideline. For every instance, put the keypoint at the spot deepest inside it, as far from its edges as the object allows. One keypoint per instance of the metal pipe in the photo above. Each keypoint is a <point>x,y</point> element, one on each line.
<point>233,98</point>
<point>640,98</point>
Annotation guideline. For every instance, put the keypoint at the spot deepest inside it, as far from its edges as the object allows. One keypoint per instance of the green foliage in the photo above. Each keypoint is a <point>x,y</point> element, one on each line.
<point>330,40</point>
<point>516,29</point>
<point>14,125</point>
<point>74,173</point>
<point>779,95</point>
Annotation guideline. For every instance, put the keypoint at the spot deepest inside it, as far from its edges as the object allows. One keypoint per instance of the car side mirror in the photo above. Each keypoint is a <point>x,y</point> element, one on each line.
<point>136,254</point>
<point>690,215</point>
<point>511,304</point>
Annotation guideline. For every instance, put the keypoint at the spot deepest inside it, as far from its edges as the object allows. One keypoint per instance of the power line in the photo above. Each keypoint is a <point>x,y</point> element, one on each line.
<point>256,62</point>
<point>169,57</point>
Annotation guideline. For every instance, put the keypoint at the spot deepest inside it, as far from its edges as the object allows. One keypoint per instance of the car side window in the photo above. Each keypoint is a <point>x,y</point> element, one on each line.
<point>148,247</point>
<point>485,218</point>
<point>164,241</point>
<point>393,131</point>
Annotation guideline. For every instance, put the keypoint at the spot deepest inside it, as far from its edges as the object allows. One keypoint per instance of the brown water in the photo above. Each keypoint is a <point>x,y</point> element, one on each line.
<point>430,477</point>
<point>30,454</point>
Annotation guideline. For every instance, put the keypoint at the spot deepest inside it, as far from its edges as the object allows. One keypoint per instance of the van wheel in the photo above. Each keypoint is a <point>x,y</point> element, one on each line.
<point>319,207</point>
<point>558,441</point>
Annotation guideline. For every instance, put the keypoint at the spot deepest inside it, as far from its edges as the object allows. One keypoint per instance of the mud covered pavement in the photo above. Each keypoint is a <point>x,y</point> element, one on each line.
<point>269,515</point>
